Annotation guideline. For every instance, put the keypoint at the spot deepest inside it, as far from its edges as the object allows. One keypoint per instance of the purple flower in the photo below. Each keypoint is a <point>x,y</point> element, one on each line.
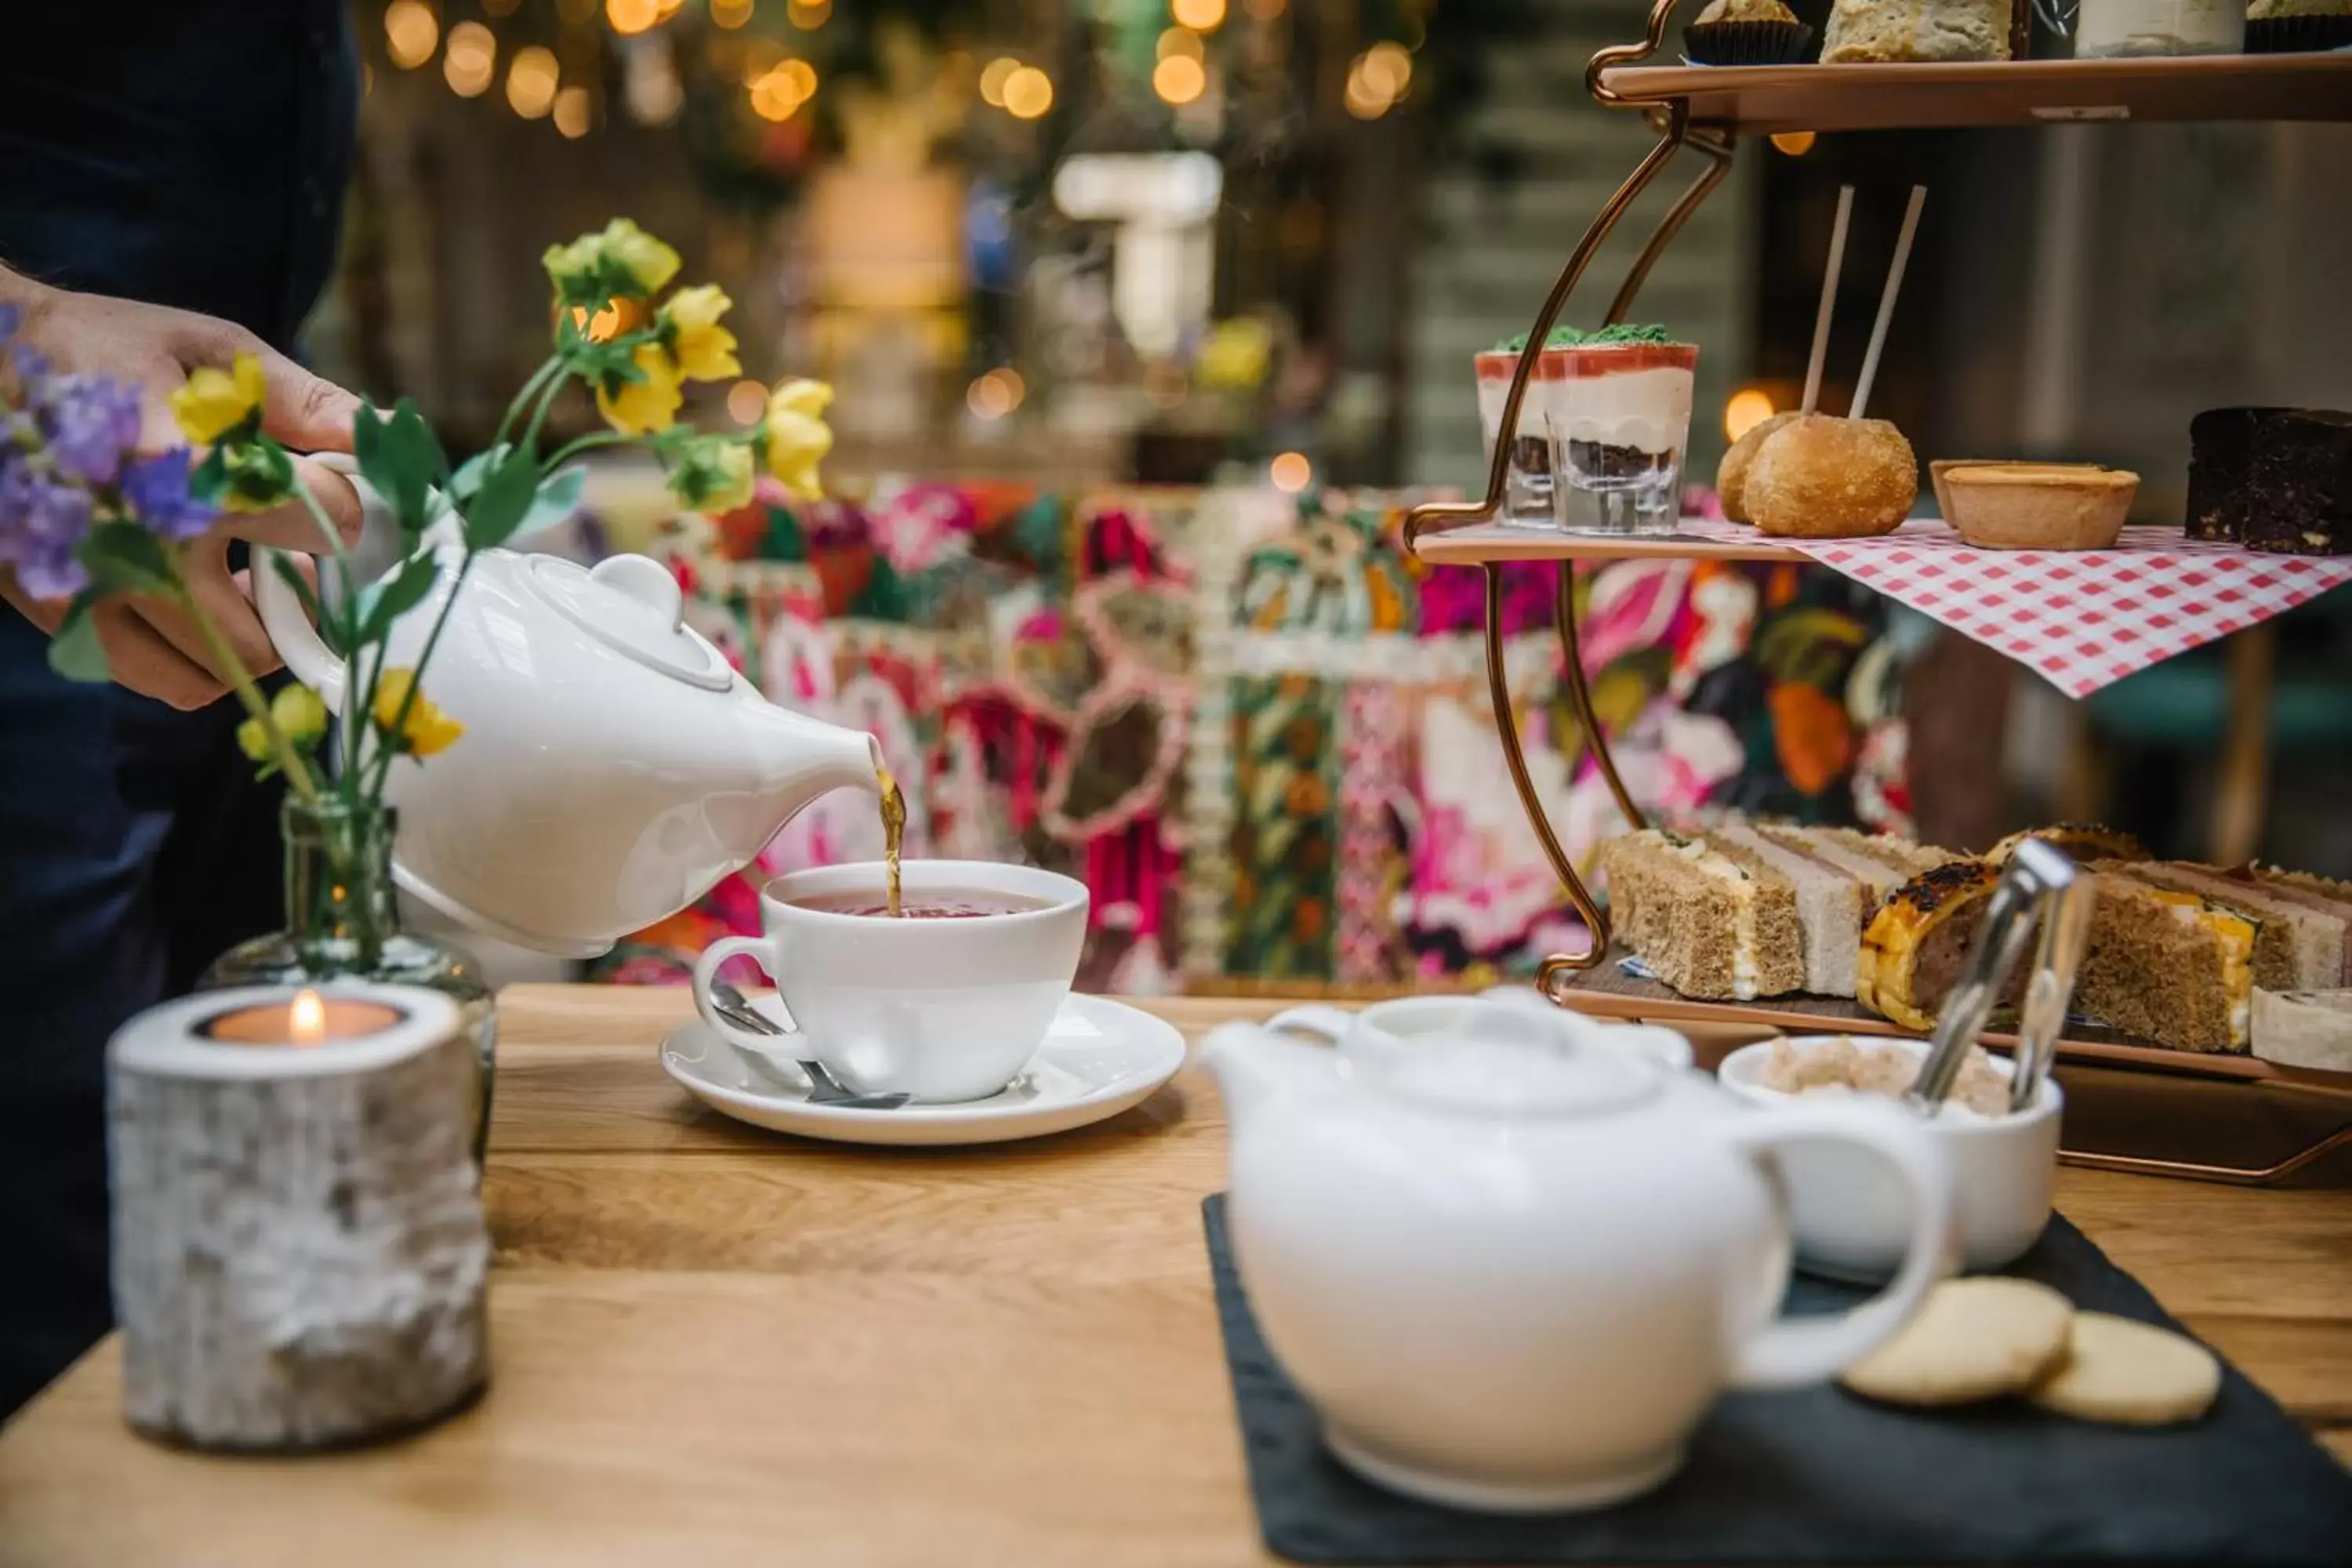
<point>11,318</point>
<point>42,523</point>
<point>156,490</point>
<point>91,419</point>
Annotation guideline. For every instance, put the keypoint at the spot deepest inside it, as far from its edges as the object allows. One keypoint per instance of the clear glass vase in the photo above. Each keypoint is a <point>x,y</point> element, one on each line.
<point>342,922</point>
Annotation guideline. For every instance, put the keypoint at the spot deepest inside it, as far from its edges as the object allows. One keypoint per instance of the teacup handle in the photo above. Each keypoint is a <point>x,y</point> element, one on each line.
<point>1796,1353</point>
<point>1320,1018</point>
<point>706,970</point>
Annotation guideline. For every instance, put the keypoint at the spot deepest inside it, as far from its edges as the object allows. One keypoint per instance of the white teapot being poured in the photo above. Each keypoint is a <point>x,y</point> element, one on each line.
<point>614,767</point>
<point>1512,1265</point>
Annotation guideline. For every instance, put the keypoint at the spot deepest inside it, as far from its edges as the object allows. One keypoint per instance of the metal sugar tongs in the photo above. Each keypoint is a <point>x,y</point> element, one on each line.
<point>2040,883</point>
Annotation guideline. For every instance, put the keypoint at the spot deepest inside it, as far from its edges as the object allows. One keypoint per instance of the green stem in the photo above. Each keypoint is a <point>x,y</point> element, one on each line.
<point>586,444</point>
<point>388,746</point>
<point>232,668</point>
<point>554,363</point>
<point>538,415</point>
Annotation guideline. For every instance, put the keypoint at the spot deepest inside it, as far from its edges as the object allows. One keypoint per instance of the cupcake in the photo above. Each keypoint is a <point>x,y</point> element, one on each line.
<point>2293,27</point>
<point>1746,33</point>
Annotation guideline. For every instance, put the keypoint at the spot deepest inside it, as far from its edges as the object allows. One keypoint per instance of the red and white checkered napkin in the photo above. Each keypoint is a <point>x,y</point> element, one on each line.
<point>2081,618</point>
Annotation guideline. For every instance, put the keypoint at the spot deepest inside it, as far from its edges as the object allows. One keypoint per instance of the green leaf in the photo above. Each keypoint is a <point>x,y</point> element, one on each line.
<point>557,500</point>
<point>468,479</point>
<point>330,627</point>
<point>383,602</point>
<point>209,483</point>
<point>75,651</point>
<point>399,455</point>
<point>500,504</point>
<point>125,558</point>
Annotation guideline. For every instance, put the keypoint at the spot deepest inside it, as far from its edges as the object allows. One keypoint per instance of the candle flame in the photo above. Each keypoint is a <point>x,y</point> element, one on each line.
<point>308,1020</point>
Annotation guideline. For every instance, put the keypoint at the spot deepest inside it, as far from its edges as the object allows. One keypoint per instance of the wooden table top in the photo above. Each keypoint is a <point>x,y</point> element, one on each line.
<point>714,1345</point>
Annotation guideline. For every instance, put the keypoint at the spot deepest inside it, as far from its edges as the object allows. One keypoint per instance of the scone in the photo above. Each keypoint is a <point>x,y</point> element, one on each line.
<point>1866,30</point>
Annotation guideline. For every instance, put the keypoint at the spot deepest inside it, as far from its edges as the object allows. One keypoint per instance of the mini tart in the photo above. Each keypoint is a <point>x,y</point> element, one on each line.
<point>2034,506</point>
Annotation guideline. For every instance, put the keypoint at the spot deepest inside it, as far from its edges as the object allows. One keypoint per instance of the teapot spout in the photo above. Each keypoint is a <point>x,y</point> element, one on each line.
<point>1258,1069</point>
<point>801,758</point>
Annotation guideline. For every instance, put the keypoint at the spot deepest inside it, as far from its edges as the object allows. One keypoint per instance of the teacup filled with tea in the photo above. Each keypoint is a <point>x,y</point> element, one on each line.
<point>946,999</point>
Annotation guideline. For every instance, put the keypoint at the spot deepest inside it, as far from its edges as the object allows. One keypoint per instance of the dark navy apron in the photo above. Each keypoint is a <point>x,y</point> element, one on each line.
<point>186,152</point>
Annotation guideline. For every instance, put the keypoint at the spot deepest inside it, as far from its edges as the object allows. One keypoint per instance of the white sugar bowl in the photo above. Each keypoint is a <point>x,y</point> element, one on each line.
<point>1851,1222</point>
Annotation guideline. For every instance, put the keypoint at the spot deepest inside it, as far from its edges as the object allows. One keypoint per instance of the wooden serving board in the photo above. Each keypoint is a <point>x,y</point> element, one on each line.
<point>1608,992</point>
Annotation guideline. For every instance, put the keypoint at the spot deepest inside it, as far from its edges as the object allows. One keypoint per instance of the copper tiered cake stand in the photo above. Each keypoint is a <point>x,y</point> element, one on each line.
<point>2221,1118</point>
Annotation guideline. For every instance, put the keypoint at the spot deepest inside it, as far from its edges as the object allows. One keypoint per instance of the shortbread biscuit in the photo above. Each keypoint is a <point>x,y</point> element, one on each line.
<point>1972,1339</point>
<point>2131,1374</point>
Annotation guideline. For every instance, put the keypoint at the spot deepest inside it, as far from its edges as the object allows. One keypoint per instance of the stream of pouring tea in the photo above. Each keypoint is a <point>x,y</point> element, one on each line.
<point>894,828</point>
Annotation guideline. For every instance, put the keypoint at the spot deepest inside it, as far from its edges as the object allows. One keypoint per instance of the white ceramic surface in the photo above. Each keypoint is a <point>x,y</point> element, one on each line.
<point>613,766</point>
<point>945,1010</point>
<point>1436,1017</point>
<point>1848,1219</point>
<point>1099,1057</point>
<point>1514,1274</point>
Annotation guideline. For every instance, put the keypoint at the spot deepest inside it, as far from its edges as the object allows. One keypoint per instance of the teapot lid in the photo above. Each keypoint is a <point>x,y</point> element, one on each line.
<point>632,604</point>
<point>1484,1057</point>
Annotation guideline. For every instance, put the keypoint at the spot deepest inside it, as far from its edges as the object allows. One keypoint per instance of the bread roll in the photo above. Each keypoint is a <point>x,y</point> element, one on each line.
<point>1732,478</point>
<point>1825,478</point>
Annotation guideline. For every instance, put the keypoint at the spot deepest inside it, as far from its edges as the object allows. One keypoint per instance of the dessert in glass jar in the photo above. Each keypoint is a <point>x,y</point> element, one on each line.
<point>1618,410</point>
<point>1527,487</point>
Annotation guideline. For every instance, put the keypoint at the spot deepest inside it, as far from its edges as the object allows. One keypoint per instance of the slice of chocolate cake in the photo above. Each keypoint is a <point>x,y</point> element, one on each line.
<point>2272,479</point>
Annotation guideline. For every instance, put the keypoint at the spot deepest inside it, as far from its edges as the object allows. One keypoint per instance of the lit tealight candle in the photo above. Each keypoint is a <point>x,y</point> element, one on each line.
<point>309,1019</point>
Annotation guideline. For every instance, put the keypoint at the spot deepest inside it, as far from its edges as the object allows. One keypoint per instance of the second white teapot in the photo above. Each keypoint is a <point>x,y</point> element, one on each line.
<point>1512,1268</point>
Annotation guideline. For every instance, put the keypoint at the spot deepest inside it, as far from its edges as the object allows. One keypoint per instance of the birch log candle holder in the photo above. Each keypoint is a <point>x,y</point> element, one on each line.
<point>300,1255</point>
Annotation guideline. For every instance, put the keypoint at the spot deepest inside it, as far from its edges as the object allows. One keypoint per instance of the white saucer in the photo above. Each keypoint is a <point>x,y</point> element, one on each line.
<point>1100,1058</point>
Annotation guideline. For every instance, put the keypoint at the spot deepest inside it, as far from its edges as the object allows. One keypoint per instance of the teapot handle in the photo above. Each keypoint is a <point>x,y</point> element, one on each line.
<point>291,632</point>
<point>1798,1353</point>
<point>282,616</point>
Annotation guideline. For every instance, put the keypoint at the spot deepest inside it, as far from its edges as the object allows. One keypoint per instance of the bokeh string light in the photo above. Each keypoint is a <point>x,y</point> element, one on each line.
<point>532,81</point>
<point>1747,408</point>
<point>472,61</point>
<point>993,78</point>
<point>730,14</point>
<point>410,33</point>
<point>575,112</point>
<point>1028,93</point>
<point>632,17</point>
<point>1179,78</point>
<point>1201,15</point>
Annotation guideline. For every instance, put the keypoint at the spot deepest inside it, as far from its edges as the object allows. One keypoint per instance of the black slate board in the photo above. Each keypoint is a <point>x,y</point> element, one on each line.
<point>1822,1476</point>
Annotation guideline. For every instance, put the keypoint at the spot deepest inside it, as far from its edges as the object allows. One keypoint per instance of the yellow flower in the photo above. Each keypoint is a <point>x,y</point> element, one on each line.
<point>646,259</point>
<point>595,266</point>
<point>714,475</point>
<point>254,741</point>
<point>798,436</point>
<point>571,260</point>
<point>298,714</point>
<point>639,407</point>
<point>428,729</point>
<point>215,402</point>
<point>703,350</point>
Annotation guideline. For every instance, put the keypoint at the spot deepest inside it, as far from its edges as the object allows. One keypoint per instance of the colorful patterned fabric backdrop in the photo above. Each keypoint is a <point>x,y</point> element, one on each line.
<point>1258,729</point>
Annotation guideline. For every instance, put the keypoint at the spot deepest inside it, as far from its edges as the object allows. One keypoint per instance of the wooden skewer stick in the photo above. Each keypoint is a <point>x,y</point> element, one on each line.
<point>1887,301</point>
<point>1828,298</point>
